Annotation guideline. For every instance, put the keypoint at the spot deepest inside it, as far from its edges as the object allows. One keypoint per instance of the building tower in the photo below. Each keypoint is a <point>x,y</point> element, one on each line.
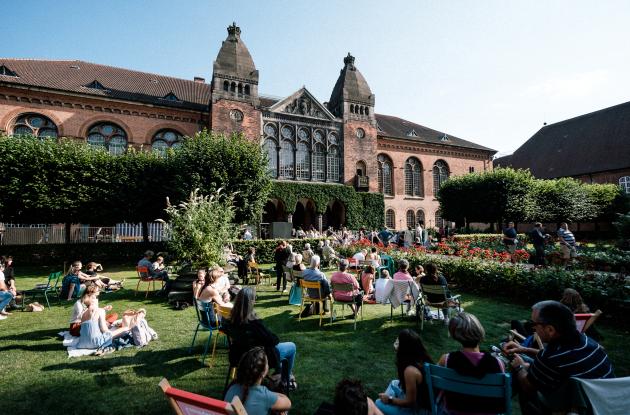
<point>353,101</point>
<point>234,102</point>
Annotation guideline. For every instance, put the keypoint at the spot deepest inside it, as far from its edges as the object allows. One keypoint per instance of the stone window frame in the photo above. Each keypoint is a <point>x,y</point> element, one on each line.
<point>624,183</point>
<point>390,218</point>
<point>413,178</point>
<point>26,120</point>
<point>117,132</point>
<point>159,137</point>
<point>441,173</point>
<point>385,174</point>
<point>411,219</point>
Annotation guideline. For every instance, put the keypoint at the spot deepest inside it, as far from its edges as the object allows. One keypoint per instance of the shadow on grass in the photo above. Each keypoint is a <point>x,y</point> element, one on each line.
<point>172,363</point>
<point>48,347</point>
<point>35,335</point>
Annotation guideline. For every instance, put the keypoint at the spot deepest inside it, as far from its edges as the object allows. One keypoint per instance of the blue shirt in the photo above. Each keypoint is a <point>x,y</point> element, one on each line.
<point>315,275</point>
<point>259,399</point>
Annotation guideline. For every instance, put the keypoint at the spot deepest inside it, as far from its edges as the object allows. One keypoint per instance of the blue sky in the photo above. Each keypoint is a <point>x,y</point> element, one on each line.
<point>487,71</point>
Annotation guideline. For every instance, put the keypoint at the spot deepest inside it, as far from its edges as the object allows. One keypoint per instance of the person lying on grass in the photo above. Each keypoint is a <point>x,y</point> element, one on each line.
<point>92,269</point>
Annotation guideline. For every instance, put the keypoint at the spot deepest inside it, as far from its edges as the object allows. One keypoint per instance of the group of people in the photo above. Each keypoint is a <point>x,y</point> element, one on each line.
<point>539,240</point>
<point>8,291</point>
<point>76,281</point>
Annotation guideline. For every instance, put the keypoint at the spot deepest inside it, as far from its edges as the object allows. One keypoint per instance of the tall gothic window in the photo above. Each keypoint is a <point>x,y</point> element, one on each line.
<point>390,219</point>
<point>287,160</point>
<point>303,162</point>
<point>108,136</point>
<point>165,139</point>
<point>624,182</point>
<point>333,164</point>
<point>411,219</point>
<point>319,162</point>
<point>385,175</point>
<point>270,148</point>
<point>420,216</point>
<point>440,175</point>
<point>36,125</point>
<point>413,177</point>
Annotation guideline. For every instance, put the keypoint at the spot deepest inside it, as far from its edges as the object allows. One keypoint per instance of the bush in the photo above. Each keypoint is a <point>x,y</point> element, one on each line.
<point>265,247</point>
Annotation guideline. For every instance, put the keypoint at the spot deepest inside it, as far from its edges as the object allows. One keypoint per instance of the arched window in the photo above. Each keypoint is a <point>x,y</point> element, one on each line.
<point>390,219</point>
<point>361,168</point>
<point>287,160</point>
<point>385,175</point>
<point>413,177</point>
<point>352,108</point>
<point>36,125</point>
<point>440,175</point>
<point>420,216</point>
<point>270,148</point>
<point>367,110</point>
<point>233,87</point>
<point>303,162</point>
<point>246,89</point>
<point>319,162</point>
<point>333,164</point>
<point>108,136</point>
<point>624,182</point>
<point>411,219</point>
<point>226,86</point>
<point>165,139</point>
<point>240,89</point>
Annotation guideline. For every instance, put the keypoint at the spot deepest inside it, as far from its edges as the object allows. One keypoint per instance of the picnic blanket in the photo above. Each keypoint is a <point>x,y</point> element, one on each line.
<point>70,342</point>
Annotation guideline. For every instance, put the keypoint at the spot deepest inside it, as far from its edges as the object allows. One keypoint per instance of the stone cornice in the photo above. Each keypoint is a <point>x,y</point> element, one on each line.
<point>430,149</point>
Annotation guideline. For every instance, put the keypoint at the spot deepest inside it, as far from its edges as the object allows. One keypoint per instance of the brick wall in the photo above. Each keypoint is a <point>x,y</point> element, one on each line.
<point>222,121</point>
<point>359,149</point>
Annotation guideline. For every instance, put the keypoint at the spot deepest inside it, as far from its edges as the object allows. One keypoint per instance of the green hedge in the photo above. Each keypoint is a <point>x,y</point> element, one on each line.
<point>362,209</point>
<point>265,247</point>
<point>486,237</point>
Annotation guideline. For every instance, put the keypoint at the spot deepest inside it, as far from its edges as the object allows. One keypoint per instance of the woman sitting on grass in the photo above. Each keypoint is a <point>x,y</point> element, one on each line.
<point>467,330</point>
<point>247,331</point>
<point>92,269</point>
<point>257,399</point>
<point>407,395</point>
<point>75,281</point>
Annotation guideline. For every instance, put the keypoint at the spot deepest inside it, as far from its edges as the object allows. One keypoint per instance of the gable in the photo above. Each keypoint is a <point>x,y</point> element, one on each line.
<point>304,104</point>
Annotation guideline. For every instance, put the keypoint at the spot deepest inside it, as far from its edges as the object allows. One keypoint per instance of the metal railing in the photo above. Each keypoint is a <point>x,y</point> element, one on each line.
<point>27,234</point>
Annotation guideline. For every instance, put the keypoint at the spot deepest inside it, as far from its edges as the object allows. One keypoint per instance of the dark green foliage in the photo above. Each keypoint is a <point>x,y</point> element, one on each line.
<point>265,247</point>
<point>622,226</point>
<point>362,209</point>
<point>48,181</point>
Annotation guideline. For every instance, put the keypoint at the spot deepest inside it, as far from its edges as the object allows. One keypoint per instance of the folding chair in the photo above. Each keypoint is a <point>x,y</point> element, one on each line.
<point>145,276</point>
<point>183,402</point>
<point>495,385</point>
<point>313,285</point>
<point>253,268</point>
<point>208,320</point>
<point>387,263</point>
<point>399,293</point>
<point>51,286</point>
<point>586,320</point>
<point>345,287</point>
<point>439,297</point>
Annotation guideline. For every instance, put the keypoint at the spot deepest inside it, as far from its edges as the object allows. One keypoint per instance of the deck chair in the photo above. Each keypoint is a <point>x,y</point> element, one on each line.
<point>49,287</point>
<point>586,320</point>
<point>183,402</point>
<point>403,292</point>
<point>254,270</point>
<point>496,385</point>
<point>343,288</point>
<point>319,299</point>
<point>439,297</point>
<point>145,276</point>
<point>207,320</point>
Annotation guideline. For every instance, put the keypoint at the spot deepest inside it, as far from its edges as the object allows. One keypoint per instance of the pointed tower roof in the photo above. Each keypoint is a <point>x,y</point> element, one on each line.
<point>350,86</point>
<point>234,59</point>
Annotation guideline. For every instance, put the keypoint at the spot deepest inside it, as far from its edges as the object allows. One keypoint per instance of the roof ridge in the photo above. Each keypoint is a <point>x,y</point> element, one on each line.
<point>588,114</point>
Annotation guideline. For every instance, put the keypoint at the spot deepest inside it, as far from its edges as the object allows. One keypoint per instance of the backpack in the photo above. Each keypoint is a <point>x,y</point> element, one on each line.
<point>142,334</point>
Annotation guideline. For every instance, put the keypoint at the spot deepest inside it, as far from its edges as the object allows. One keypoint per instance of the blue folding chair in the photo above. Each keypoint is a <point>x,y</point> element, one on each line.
<point>208,320</point>
<point>495,385</point>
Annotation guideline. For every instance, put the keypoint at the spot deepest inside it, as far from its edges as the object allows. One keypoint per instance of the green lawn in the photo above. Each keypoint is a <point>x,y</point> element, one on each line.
<point>38,377</point>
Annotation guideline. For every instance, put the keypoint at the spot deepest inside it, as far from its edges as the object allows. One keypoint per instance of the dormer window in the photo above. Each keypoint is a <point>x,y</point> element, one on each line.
<point>444,138</point>
<point>171,97</point>
<point>7,72</point>
<point>96,85</point>
<point>412,133</point>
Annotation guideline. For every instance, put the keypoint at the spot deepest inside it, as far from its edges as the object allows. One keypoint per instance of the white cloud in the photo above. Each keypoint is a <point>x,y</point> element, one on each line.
<point>572,86</point>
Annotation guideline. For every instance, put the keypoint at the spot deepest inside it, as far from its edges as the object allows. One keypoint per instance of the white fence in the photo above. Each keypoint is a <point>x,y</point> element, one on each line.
<point>22,234</point>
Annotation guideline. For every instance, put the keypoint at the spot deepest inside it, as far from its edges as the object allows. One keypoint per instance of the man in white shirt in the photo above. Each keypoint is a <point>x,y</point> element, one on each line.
<point>419,237</point>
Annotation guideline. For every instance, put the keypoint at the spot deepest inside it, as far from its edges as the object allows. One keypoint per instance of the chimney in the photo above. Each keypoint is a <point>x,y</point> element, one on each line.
<point>200,79</point>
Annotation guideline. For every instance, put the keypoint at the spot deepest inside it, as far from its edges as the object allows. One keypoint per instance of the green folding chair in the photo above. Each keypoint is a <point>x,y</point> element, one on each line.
<point>51,286</point>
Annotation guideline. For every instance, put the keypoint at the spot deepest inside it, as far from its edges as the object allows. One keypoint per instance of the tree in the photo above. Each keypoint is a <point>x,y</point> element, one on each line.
<point>199,227</point>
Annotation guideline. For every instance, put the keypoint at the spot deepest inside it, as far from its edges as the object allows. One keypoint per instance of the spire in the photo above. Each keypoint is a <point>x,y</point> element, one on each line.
<point>349,62</point>
<point>351,86</point>
<point>234,30</point>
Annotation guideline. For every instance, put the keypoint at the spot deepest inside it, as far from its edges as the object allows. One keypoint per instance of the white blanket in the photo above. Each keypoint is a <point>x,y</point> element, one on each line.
<point>70,342</point>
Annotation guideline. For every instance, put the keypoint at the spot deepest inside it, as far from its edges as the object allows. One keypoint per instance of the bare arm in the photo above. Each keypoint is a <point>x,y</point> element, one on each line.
<point>283,403</point>
<point>413,377</point>
<point>521,368</point>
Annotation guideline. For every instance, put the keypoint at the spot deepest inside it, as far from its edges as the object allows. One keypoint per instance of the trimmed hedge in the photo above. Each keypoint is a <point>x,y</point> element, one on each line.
<point>363,210</point>
<point>265,247</point>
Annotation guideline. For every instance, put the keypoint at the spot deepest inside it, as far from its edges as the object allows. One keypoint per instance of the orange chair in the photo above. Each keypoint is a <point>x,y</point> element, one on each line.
<point>145,276</point>
<point>183,402</point>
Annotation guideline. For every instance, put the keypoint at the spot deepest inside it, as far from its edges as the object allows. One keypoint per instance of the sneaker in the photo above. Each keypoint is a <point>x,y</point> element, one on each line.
<point>284,291</point>
<point>3,317</point>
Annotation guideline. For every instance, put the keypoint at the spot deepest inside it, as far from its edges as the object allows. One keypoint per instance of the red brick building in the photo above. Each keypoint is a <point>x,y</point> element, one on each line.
<point>339,142</point>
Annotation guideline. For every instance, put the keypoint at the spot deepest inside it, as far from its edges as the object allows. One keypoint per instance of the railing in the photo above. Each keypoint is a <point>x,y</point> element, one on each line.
<point>362,182</point>
<point>21,234</point>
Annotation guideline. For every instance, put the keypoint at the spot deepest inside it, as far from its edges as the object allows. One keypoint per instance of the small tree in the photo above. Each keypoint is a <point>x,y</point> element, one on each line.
<point>200,227</point>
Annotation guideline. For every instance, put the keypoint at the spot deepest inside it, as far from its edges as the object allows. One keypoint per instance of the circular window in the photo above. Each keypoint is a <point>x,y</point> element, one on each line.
<point>236,115</point>
<point>287,132</point>
<point>360,133</point>
<point>332,138</point>
<point>270,130</point>
<point>303,134</point>
<point>319,136</point>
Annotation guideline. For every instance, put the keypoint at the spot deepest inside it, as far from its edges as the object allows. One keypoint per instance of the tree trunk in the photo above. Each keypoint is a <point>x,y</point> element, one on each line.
<point>145,232</point>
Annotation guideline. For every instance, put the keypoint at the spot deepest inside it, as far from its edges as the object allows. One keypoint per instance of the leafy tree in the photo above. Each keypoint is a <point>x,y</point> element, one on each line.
<point>199,227</point>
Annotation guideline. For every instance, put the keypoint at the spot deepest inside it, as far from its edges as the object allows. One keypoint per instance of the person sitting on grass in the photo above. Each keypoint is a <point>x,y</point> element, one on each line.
<point>407,395</point>
<point>351,399</point>
<point>342,277</point>
<point>79,308</point>
<point>75,281</point>
<point>257,399</point>
<point>470,361</point>
<point>247,330</point>
<point>92,269</point>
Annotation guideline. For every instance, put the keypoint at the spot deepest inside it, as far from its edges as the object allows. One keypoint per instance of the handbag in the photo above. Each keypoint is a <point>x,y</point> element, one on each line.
<point>295,295</point>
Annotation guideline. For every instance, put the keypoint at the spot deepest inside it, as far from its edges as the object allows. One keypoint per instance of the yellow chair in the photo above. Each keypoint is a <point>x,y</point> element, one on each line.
<point>313,285</point>
<point>253,268</point>
<point>344,287</point>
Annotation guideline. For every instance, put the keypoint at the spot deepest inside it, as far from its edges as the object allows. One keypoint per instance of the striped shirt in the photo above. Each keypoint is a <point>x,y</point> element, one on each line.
<point>566,236</point>
<point>556,363</point>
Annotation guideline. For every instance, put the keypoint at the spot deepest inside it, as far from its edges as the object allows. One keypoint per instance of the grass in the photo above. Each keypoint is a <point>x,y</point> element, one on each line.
<point>41,378</point>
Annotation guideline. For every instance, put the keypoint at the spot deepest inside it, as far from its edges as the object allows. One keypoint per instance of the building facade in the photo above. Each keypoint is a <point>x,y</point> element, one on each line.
<point>339,142</point>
